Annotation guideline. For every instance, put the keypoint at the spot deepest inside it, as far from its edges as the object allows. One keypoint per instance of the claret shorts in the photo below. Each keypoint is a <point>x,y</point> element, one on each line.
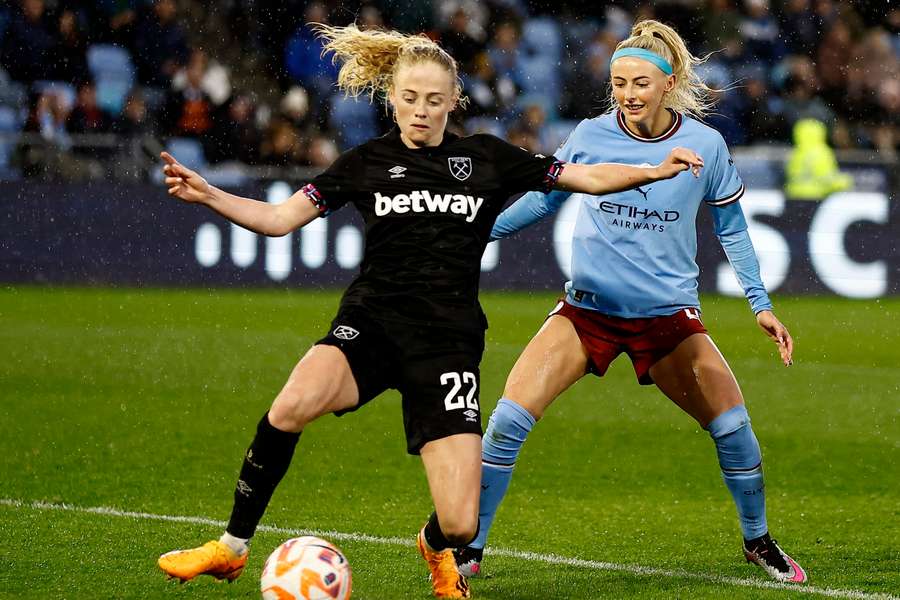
<point>645,340</point>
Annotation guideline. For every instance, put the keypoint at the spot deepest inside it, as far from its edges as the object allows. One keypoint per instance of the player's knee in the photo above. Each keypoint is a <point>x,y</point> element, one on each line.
<point>528,397</point>
<point>527,393</point>
<point>720,384</point>
<point>295,407</point>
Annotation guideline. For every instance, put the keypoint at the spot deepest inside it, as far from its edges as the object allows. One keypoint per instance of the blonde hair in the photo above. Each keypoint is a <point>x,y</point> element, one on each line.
<point>370,59</point>
<point>690,94</point>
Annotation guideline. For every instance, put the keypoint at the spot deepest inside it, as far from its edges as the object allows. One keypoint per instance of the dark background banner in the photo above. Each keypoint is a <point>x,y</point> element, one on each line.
<point>136,235</point>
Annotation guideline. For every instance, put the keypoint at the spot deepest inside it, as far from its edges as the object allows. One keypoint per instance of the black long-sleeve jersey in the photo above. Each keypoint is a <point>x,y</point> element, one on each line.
<point>428,214</point>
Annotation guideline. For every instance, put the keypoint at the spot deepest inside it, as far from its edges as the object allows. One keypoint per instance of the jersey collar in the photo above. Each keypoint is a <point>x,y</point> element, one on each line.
<point>394,136</point>
<point>676,124</point>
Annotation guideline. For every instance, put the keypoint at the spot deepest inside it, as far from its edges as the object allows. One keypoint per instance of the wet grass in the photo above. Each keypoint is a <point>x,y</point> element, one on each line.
<point>144,400</point>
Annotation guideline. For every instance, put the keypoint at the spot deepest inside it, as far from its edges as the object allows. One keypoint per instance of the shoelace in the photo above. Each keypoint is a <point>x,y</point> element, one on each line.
<point>448,571</point>
<point>769,553</point>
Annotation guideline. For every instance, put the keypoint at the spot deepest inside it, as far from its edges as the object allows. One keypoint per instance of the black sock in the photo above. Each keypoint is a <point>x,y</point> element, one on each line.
<point>433,534</point>
<point>435,537</point>
<point>266,462</point>
<point>477,531</point>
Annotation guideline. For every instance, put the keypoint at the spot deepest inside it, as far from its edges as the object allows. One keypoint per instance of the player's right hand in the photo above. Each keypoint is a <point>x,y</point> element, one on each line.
<point>184,183</point>
<point>678,160</point>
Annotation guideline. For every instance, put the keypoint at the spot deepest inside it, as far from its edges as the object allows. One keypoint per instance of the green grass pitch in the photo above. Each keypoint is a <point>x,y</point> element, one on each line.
<point>144,400</point>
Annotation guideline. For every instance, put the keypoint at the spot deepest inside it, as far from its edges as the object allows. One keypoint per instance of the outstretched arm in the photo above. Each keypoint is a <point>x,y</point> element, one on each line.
<point>527,210</point>
<point>260,217</point>
<point>605,178</point>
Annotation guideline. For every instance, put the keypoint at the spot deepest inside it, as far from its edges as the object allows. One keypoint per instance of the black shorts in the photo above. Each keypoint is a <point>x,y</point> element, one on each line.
<point>434,368</point>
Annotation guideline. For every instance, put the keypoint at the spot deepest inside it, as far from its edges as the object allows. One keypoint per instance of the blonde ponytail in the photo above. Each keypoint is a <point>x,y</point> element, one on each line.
<point>370,59</point>
<point>690,94</point>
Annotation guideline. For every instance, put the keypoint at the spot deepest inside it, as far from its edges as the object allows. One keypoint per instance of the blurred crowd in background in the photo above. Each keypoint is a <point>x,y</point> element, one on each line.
<point>87,88</point>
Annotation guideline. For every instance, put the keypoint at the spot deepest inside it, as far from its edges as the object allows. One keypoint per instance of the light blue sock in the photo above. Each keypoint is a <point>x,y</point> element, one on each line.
<point>506,432</point>
<point>741,464</point>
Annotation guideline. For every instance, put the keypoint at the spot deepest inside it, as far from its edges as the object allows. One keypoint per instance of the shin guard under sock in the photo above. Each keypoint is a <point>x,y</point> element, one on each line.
<point>266,462</point>
<point>506,432</point>
<point>741,464</point>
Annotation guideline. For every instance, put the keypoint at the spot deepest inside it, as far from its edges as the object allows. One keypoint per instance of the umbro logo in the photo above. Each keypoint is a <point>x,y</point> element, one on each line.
<point>397,172</point>
<point>343,332</point>
<point>471,415</point>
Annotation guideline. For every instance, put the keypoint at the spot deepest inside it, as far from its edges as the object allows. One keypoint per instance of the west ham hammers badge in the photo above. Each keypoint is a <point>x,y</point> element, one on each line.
<point>460,167</point>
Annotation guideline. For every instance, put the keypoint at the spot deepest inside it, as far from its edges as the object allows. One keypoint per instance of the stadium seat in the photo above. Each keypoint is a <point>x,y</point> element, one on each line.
<point>113,73</point>
<point>13,94</point>
<point>13,114</point>
<point>353,119</point>
<point>188,151</point>
<point>485,125</point>
<point>154,97</point>
<point>539,75</point>
<point>542,37</point>
<point>578,34</point>
<point>11,121</point>
<point>61,88</point>
<point>555,133</point>
<point>4,23</point>
<point>715,74</point>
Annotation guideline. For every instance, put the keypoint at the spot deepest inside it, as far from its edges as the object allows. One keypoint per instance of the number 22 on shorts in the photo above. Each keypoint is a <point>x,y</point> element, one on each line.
<point>454,400</point>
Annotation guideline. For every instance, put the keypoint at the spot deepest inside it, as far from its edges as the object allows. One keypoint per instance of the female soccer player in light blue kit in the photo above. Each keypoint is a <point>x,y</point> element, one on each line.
<point>634,285</point>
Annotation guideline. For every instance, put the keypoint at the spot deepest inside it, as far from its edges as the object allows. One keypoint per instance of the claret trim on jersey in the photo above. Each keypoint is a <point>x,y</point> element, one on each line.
<point>676,124</point>
<point>315,197</point>
<point>552,176</point>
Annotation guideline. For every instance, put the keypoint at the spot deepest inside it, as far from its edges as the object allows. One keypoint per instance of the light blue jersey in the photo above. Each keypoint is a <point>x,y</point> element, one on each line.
<point>634,252</point>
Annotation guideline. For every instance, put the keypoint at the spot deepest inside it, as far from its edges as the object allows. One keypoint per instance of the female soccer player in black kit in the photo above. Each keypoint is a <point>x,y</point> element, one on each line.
<point>411,319</point>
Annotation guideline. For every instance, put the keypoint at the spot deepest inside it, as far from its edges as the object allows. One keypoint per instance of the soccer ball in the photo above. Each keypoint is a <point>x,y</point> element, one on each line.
<point>306,568</point>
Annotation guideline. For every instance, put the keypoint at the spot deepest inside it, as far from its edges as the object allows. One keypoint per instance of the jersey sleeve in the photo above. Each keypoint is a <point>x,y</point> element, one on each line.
<point>569,151</point>
<point>527,210</point>
<point>518,170</point>
<point>724,185</point>
<point>739,250</point>
<point>338,184</point>
<point>534,206</point>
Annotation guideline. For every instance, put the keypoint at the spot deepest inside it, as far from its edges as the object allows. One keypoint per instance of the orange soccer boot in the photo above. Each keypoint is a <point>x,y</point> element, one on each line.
<point>445,578</point>
<point>212,558</point>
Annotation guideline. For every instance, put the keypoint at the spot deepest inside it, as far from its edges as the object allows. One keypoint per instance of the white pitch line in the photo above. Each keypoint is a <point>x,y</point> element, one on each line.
<point>554,559</point>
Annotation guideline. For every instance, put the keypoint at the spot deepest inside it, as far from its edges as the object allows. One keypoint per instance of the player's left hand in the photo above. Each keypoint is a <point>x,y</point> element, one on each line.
<point>778,333</point>
<point>678,160</point>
